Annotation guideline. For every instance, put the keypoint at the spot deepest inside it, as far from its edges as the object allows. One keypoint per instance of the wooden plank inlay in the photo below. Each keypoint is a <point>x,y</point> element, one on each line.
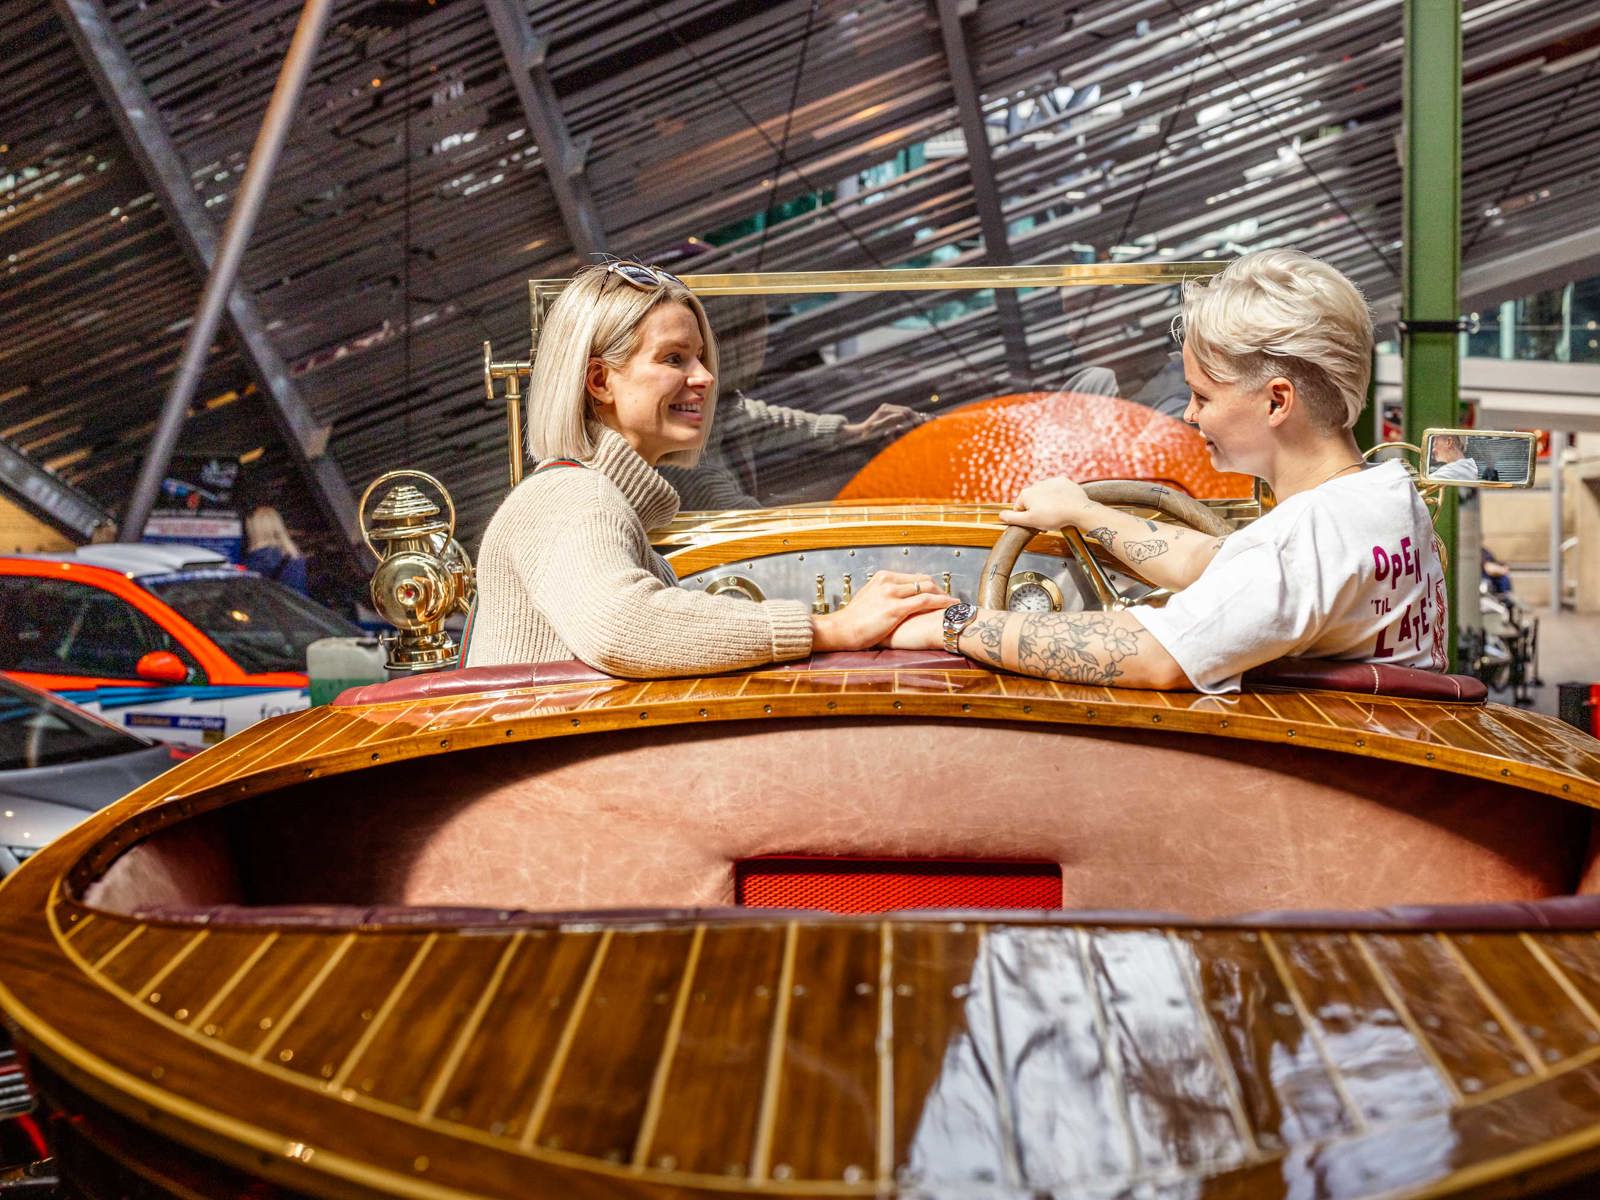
<point>1038,1019</point>
<point>1468,1037</point>
<point>1285,1087</point>
<point>253,1008</point>
<point>712,1096</point>
<point>494,1086</point>
<point>348,999</point>
<point>1177,1097</point>
<point>600,1097</point>
<point>946,1126</point>
<point>1380,1067</point>
<point>827,1106</point>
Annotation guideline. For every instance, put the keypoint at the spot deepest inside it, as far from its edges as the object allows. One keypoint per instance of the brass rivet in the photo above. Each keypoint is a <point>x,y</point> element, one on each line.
<point>766,708</point>
<point>419,1163</point>
<point>832,706</point>
<point>1505,770</point>
<point>1224,724</point>
<point>897,704</point>
<point>1361,742</point>
<point>702,712</point>
<point>644,716</point>
<point>1089,713</point>
<point>966,708</point>
<point>1429,756</point>
<point>1156,717</point>
<point>375,756</point>
<point>1291,733</point>
<point>1027,708</point>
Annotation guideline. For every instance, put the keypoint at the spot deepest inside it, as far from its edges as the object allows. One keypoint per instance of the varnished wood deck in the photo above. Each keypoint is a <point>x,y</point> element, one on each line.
<point>827,1057</point>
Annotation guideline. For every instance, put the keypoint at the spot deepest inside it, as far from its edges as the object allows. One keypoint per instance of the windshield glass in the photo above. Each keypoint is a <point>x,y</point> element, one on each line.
<point>37,730</point>
<point>941,394</point>
<point>261,625</point>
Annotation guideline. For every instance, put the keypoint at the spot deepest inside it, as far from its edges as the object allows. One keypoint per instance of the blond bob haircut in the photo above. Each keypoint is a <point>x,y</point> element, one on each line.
<point>1283,313</point>
<point>598,315</point>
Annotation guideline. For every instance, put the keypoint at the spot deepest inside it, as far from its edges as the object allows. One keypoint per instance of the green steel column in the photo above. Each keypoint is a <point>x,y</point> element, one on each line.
<point>1430,257</point>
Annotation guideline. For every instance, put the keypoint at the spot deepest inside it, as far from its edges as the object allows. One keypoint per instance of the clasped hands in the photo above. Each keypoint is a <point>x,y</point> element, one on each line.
<point>900,611</point>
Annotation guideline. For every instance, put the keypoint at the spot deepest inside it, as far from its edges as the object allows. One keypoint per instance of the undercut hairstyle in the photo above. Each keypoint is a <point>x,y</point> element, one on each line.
<point>598,316</point>
<point>1283,313</point>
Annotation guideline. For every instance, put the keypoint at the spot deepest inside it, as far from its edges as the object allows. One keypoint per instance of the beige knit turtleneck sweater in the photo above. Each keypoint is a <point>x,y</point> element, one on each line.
<point>566,571</point>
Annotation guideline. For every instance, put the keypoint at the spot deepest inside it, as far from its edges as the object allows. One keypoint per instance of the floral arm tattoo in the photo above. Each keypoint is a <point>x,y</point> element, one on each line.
<point>1081,647</point>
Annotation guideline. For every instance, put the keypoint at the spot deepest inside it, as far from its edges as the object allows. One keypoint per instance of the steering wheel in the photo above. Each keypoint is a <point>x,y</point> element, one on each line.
<point>1131,493</point>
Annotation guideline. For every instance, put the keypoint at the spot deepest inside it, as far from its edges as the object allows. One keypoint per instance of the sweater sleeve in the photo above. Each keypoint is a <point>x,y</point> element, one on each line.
<point>615,615</point>
<point>773,428</point>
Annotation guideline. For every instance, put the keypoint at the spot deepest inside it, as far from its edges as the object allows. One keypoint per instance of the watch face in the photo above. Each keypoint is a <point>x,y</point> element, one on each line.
<point>958,614</point>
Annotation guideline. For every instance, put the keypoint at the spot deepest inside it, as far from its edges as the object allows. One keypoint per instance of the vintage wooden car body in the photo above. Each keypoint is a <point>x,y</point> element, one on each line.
<point>475,934</point>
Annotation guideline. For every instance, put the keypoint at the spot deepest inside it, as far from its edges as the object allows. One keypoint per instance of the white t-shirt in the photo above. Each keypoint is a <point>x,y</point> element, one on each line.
<point>1461,468</point>
<point>1349,570</point>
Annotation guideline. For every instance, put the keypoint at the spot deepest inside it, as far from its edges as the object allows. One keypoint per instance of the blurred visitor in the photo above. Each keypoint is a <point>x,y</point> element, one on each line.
<point>270,551</point>
<point>1496,574</point>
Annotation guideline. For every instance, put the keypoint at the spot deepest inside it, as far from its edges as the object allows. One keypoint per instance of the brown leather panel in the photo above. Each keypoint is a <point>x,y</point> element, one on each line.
<point>1137,820</point>
<point>1374,679</point>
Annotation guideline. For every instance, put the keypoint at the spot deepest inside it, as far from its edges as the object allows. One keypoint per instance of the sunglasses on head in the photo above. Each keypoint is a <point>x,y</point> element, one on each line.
<point>641,276</point>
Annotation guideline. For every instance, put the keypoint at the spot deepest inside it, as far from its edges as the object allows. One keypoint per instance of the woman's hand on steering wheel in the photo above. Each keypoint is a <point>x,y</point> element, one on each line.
<point>887,600</point>
<point>1050,504</point>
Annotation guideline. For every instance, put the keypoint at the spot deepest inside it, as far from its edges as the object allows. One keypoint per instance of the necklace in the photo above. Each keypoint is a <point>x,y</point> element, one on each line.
<point>1336,474</point>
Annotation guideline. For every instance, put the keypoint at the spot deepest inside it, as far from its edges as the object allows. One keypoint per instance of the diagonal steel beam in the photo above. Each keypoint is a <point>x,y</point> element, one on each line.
<point>564,160</point>
<point>145,135</point>
<point>51,497</point>
<point>980,163</point>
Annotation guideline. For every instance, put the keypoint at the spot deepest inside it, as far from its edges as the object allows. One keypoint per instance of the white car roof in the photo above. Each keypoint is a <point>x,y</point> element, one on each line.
<point>137,558</point>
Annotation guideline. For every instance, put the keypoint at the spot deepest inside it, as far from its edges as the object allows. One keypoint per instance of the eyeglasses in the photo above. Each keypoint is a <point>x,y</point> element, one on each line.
<point>642,276</point>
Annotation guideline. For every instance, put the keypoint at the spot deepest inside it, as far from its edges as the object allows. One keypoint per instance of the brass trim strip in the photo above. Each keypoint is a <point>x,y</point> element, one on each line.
<point>558,1057</point>
<point>172,964</point>
<point>1108,1056</point>
<point>669,1050</point>
<point>791,283</point>
<point>1496,1006</point>
<point>233,981</point>
<point>458,1049</point>
<point>761,1154</point>
<point>100,962</point>
<point>1313,1028</point>
<point>1219,1052</point>
<point>1391,993</point>
<point>382,1015</point>
<point>299,1003</point>
<point>1559,974</point>
<point>885,1049</point>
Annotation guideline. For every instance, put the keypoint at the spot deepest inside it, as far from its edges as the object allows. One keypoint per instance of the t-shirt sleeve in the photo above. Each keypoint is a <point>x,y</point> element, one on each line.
<point>1248,607</point>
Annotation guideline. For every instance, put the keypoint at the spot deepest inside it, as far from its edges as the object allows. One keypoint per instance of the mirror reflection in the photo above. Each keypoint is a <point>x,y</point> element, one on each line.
<point>1474,458</point>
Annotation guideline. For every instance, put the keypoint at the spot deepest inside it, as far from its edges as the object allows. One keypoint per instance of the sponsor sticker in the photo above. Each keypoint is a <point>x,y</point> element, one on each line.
<point>140,720</point>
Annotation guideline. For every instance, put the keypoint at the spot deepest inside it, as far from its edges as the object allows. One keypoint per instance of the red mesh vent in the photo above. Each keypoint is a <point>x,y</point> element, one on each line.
<point>862,885</point>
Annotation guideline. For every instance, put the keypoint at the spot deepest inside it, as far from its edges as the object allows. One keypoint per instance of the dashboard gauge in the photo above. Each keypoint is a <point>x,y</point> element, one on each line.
<point>735,585</point>
<point>1029,591</point>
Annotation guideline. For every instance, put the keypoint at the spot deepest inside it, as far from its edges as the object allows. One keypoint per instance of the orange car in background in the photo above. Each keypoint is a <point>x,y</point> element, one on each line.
<point>173,642</point>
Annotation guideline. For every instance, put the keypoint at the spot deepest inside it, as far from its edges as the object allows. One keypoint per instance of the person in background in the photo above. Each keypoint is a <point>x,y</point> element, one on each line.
<point>1496,574</point>
<point>749,435</point>
<point>270,551</point>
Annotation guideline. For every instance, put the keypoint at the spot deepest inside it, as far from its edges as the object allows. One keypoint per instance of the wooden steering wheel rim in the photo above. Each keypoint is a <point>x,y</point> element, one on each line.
<point>1002,560</point>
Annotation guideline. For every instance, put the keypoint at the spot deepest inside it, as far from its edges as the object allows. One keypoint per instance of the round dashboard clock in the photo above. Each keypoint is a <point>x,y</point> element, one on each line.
<point>1029,591</point>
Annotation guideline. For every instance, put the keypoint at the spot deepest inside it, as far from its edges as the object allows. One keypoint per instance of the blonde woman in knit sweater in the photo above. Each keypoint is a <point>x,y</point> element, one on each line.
<point>625,381</point>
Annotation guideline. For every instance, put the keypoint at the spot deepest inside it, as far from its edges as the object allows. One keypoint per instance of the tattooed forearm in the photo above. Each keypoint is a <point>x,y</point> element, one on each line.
<point>1138,552</point>
<point>1105,535</point>
<point>1082,647</point>
<point>983,637</point>
<point>1073,647</point>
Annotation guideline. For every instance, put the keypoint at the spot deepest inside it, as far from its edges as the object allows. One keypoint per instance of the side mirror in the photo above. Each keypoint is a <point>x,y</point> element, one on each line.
<point>161,666</point>
<point>1478,458</point>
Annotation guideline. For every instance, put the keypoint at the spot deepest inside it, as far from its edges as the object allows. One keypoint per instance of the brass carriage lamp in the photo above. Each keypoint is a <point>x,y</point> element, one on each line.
<point>424,575</point>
